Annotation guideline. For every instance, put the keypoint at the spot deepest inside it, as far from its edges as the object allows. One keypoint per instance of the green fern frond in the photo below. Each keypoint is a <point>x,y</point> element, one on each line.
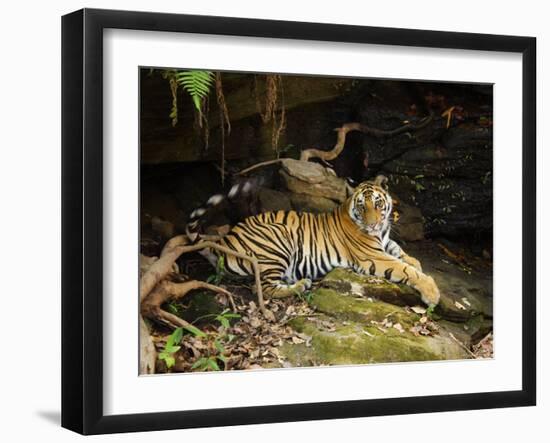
<point>197,84</point>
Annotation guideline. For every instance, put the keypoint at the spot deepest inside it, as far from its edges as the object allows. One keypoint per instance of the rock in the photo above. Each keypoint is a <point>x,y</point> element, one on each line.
<point>453,306</point>
<point>311,178</point>
<point>347,281</point>
<point>309,172</point>
<point>464,294</point>
<point>164,228</point>
<point>357,336</point>
<point>271,200</point>
<point>332,187</point>
<point>410,226</point>
<point>310,203</point>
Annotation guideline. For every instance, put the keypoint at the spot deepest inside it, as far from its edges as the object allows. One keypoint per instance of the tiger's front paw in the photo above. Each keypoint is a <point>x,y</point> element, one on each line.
<point>429,291</point>
<point>302,285</point>
<point>411,261</point>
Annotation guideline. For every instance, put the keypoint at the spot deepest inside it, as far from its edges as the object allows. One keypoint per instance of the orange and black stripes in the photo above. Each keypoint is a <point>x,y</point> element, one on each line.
<point>294,248</point>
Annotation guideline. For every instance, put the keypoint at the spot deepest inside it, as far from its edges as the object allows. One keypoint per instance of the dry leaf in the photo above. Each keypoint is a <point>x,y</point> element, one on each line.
<point>460,306</point>
<point>399,327</point>
<point>418,309</point>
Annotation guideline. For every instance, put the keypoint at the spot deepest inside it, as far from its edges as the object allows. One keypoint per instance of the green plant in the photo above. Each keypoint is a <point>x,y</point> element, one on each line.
<point>306,296</point>
<point>216,278</point>
<point>430,312</point>
<point>207,363</point>
<point>210,362</point>
<point>172,344</point>
<point>173,308</point>
<point>419,187</point>
<point>197,84</point>
<point>225,316</point>
<point>171,347</point>
<point>194,330</point>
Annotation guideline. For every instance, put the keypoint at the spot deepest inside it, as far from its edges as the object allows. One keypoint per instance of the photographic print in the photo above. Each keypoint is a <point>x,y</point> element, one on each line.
<point>292,221</point>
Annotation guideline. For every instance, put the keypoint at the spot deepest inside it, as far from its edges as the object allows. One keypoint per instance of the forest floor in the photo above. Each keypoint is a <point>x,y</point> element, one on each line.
<point>344,319</point>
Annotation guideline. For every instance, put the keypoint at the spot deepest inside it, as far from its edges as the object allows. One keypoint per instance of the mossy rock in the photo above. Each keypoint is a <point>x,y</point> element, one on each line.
<point>348,308</point>
<point>359,335</point>
<point>345,280</point>
<point>358,343</point>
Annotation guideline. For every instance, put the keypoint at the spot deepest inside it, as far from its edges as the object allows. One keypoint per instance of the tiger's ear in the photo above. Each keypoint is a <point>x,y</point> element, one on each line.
<point>382,181</point>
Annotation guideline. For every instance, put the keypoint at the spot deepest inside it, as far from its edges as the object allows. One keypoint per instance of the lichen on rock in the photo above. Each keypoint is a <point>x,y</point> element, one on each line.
<point>363,327</point>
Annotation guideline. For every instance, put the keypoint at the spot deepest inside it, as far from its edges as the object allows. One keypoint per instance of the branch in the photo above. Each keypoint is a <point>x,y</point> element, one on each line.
<point>308,154</point>
<point>259,165</point>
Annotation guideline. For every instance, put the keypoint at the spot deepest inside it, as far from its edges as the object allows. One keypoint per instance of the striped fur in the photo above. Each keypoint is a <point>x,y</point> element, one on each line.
<point>293,248</point>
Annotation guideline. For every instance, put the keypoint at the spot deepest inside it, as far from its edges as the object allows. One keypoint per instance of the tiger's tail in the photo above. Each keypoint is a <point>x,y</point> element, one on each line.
<point>244,188</point>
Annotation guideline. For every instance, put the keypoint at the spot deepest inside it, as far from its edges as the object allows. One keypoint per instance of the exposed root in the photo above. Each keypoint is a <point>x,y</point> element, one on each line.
<point>326,156</point>
<point>166,291</point>
<point>147,351</point>
<point>154,290</point>
<point>309,154</point>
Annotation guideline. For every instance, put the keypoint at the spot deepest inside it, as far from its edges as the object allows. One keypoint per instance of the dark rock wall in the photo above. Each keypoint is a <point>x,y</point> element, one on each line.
<point>444,169</point>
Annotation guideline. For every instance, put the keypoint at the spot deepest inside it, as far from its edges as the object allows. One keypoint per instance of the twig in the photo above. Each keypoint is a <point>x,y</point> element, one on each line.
<point>462,345</point>
<point>259,165</point>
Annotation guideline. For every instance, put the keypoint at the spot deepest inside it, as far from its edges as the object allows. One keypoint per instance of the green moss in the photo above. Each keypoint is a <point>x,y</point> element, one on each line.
<point>357,338</point>
<point>361,310</point>
<point>349,344</point>
<point>345,280</point>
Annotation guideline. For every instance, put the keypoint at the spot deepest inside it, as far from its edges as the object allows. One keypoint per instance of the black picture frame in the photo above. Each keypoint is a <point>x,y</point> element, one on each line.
<point>82,218</point>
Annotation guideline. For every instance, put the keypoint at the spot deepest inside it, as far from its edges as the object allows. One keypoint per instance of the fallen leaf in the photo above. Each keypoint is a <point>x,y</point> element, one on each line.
<point>418,309</point>
<point>460,306</point>
<point>399,327</point>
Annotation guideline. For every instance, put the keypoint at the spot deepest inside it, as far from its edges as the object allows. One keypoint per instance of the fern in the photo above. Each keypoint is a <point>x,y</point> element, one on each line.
<point>197,84</point>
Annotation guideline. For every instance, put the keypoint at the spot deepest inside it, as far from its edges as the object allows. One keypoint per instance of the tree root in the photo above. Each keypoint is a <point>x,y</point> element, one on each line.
<point>166,291</point>
<point>308,154</point>
<point>326,156</point>
<point>156,290</point>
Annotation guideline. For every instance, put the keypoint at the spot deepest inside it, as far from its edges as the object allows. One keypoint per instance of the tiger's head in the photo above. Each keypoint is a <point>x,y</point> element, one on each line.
<point>370,206</point>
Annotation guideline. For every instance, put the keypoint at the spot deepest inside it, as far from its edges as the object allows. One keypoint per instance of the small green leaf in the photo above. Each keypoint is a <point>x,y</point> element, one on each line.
<point>172,349</point>
<point>200,363</point>
<point>194,330</point>
<point>232,315</point>
<point>170,361</point>
<point>212,364</point>
<point>177,335</point>
<point>219,346</point>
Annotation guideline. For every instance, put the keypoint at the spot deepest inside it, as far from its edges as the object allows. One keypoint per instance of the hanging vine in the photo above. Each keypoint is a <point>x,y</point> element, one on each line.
<point>274,99</point>
<point>225,124</point>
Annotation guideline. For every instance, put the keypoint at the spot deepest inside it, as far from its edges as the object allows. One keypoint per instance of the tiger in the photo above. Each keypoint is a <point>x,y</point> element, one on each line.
<point>293,249</point>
